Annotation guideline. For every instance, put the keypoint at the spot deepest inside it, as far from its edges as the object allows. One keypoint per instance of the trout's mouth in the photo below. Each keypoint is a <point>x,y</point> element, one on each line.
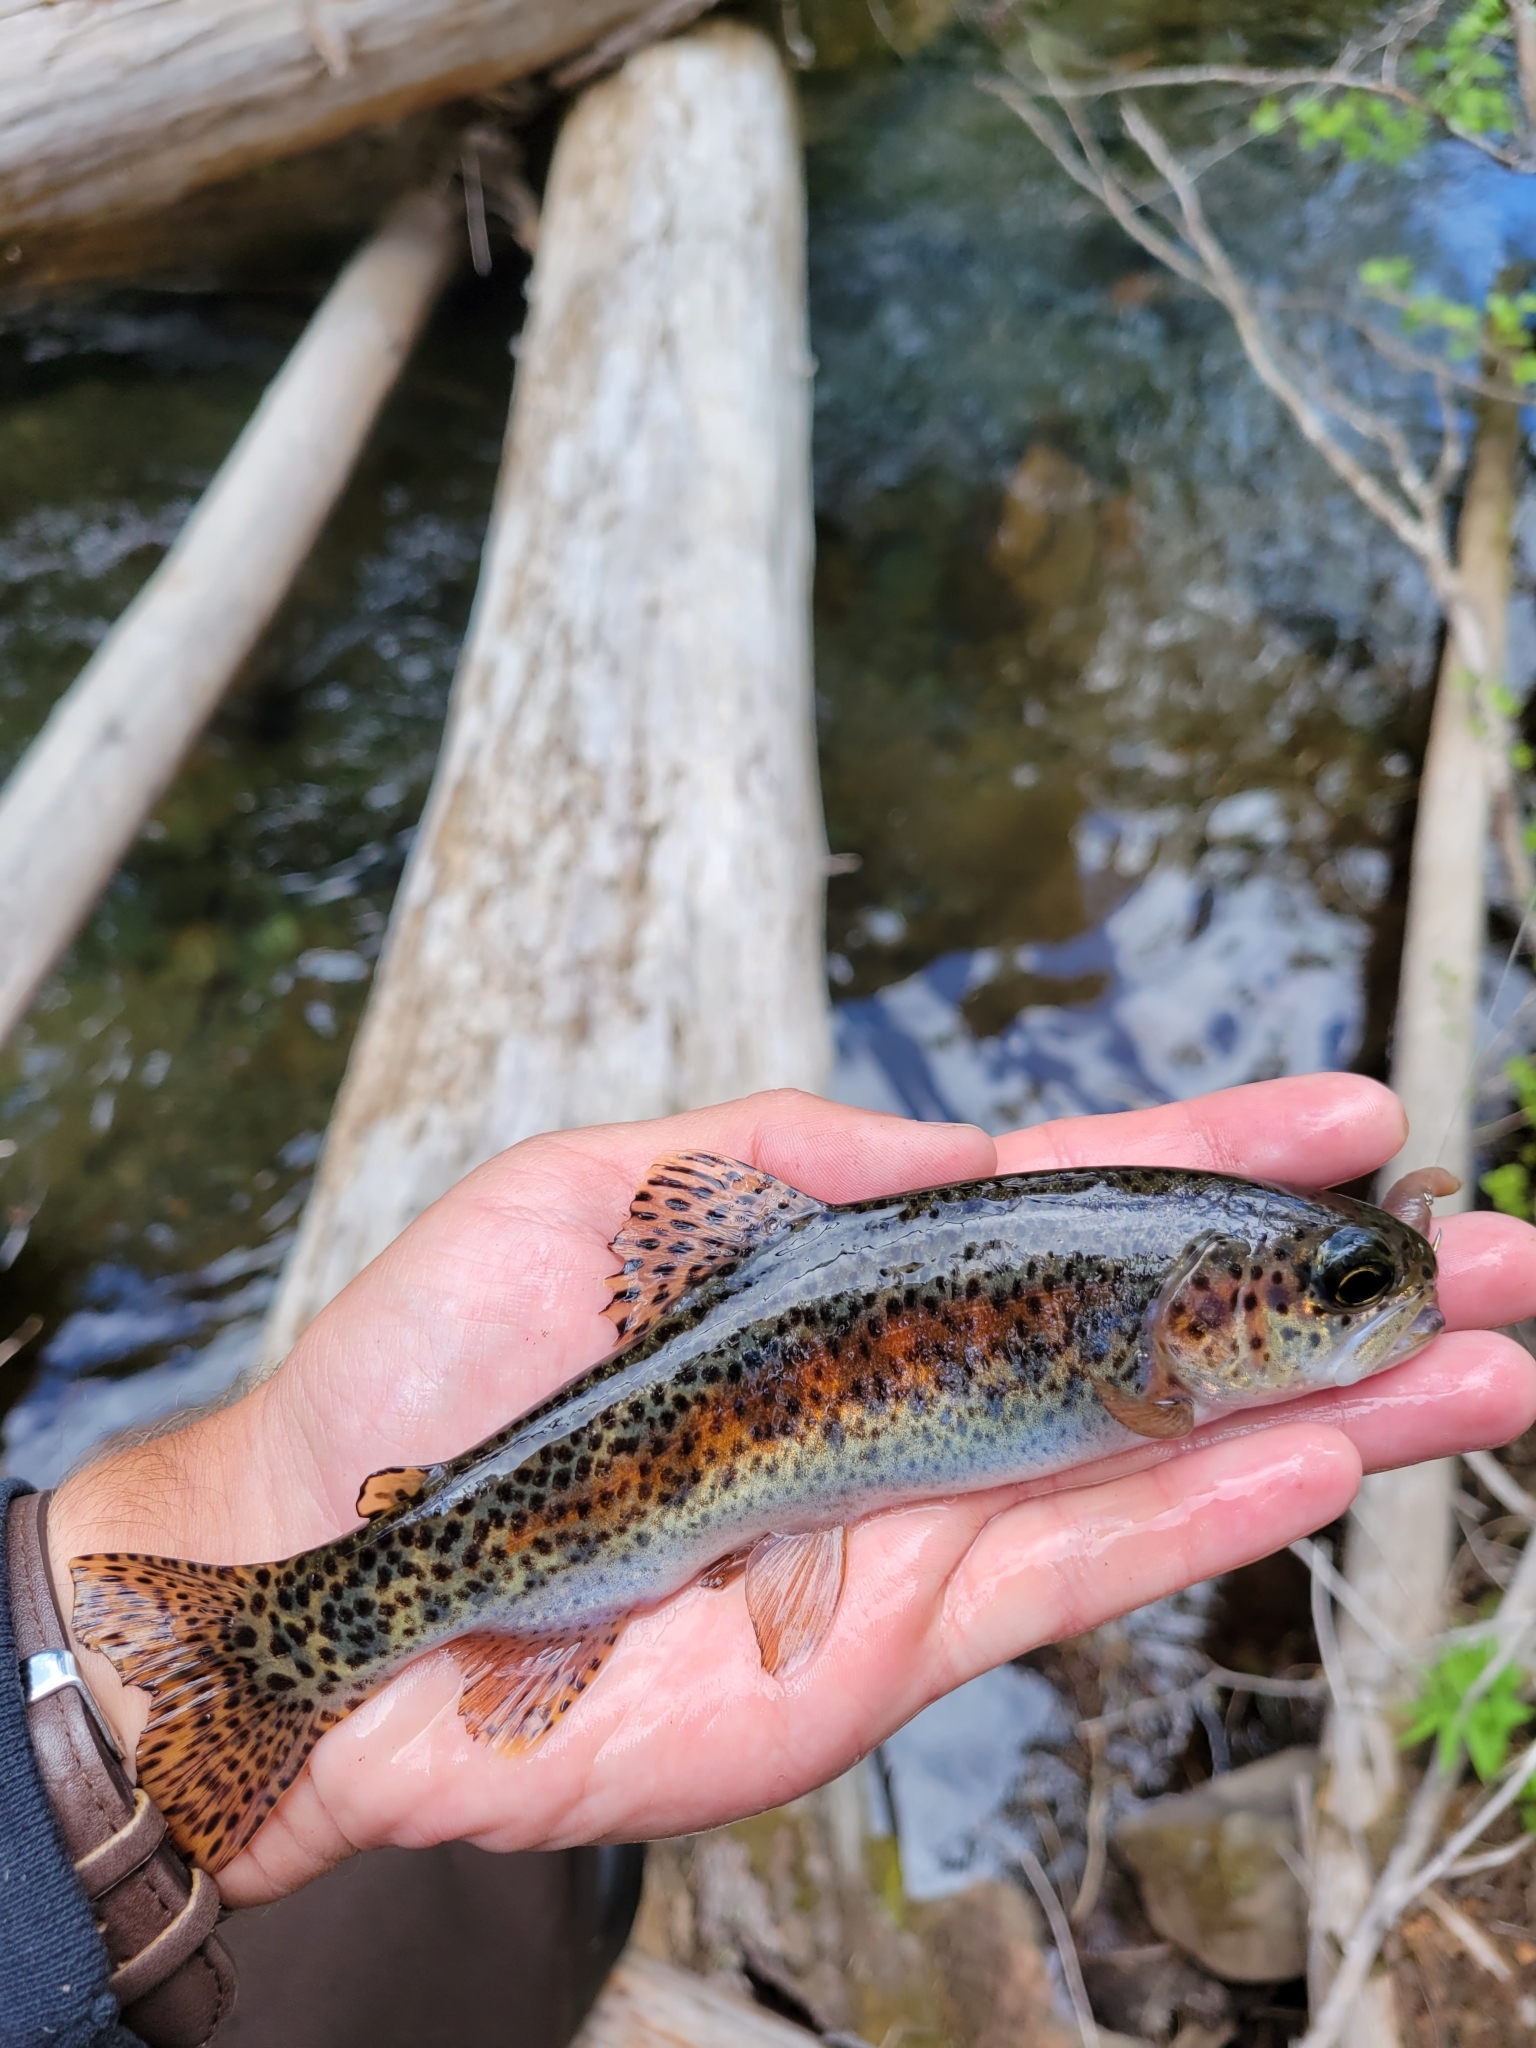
<point>1358,1359</point>
<point>1429,1322</point>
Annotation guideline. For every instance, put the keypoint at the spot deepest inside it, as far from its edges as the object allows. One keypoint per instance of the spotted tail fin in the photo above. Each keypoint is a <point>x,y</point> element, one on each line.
<point>238,1706</point>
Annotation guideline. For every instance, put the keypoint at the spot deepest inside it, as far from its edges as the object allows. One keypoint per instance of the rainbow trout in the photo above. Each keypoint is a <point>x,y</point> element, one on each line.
<point>786,1367</point>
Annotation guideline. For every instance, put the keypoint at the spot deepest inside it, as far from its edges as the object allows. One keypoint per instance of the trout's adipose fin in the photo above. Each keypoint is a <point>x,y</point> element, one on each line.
<point>231,1726</point>
<point>693,1215</point>
<point>395,1487</point>
<point>516,1688</point>
<point>793,1586</point>
<point>1164,1418</point>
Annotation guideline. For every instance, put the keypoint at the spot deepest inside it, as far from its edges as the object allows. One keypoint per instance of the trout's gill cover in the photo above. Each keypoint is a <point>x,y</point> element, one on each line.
<point>787,1367</point>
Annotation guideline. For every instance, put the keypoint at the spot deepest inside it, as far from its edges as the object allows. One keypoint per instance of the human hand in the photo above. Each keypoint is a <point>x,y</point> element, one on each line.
<point>494,1298</point>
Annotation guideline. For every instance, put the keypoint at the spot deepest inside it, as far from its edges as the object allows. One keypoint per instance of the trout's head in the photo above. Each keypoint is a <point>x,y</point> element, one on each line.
<point>1322,1294</point>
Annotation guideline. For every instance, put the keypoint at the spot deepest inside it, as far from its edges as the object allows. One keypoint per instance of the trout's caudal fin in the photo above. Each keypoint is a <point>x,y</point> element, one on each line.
<point>238,1703</point>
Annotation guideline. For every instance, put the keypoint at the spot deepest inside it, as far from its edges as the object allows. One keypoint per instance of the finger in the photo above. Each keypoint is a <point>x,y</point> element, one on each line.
<point>1487,1271</point>
<point>1314,1130</point>
<point>1048,1569</point>
<point>1470,1392</point>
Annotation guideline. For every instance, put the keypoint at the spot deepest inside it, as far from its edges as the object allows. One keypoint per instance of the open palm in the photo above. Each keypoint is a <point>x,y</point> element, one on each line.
<point>494,1298</point>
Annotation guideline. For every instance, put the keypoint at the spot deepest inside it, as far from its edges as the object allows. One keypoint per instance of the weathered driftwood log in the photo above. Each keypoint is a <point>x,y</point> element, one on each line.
<point>614,904</point>
<point>647,2004</point>
<point>1398,1550</point>
<point>71,809</point>
<point>117,110</point>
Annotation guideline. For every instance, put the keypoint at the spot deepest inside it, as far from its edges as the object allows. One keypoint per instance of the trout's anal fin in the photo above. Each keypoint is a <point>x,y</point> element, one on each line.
<point>793,1586</point>
<point>1171,1416</point>
<point>693,1215</point>
<point>516,1688</point>
<point>395,1487</point>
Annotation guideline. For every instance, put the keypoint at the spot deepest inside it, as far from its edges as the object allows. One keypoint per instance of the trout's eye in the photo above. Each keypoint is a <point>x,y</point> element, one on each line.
<point>1354,1268</point>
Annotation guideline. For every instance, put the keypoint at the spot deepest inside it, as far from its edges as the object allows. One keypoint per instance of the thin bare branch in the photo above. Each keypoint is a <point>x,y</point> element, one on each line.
<point>1097,1861</point>
<point>1105,187</point>
<point>1417,534</point>
<point>1260,78</point>
<point>1523,15</point>
<point>1318,1562</point>
<point>1501,1483</point>
<point>1492,1859</point>
<point>1482,1819</point>
<point>1066,1948</point>
<point>1393,1891</point>
<point>1472,1938</point>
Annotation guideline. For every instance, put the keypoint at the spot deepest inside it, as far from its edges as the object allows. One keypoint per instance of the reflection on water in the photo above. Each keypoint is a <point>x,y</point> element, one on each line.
<point>1118,689</point>
<point>161,1108</point>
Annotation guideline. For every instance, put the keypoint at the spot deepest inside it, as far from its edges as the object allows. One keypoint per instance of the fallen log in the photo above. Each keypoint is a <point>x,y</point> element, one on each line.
<point>79,795</point>
<point>647,2004</point>
<point>1398,1549</point>
<point>613,907</point>
<point>107,112</point>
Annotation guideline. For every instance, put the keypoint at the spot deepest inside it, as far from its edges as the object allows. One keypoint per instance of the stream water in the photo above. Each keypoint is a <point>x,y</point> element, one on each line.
<point>1120,695</point>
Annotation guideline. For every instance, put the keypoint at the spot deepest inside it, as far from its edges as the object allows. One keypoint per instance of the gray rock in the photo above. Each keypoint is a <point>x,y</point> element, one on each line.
<point>1213,1871</point>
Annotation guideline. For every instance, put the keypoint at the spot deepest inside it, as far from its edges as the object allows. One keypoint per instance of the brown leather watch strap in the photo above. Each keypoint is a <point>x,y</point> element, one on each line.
<point>171,1975</point>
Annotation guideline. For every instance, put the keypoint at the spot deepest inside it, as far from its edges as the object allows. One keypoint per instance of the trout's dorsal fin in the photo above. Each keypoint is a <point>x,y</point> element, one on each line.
<point>395,1487</point>
<point>692,1216</point>
<point>516,1688</point>
<point>793,1586</point>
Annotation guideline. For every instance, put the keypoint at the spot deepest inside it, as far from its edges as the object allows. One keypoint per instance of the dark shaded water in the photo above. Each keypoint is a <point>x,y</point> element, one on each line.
<point>1118,695</point>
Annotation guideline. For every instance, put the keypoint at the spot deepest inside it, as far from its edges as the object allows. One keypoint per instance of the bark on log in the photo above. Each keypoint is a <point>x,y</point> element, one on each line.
<point>112,743</point>
<point>1398,1549</point>
<point>613,907</point>
<point>107,111</point>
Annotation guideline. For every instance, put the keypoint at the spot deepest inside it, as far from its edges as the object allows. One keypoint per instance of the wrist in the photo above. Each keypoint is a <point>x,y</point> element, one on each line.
<point>181,1495</point>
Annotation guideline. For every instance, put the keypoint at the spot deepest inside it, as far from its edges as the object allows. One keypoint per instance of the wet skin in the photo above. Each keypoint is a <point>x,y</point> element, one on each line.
<point>494,1298</point>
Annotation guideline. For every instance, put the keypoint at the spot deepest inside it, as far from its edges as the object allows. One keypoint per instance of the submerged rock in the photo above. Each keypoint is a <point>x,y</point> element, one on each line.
<point>1215,1868</point>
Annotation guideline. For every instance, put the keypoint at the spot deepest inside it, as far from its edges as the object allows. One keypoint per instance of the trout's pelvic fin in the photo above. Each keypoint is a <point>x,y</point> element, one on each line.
<point>395,1487</point>
<point>1164,1418</point>
<point>231,1726</point>
<point>725,1571</point>
<point>693,1215</point>
<point>793,1586</point>
<point>516,1688</point>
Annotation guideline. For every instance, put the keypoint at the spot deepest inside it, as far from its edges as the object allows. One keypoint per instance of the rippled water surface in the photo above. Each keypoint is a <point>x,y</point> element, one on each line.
<point>1119,695</point>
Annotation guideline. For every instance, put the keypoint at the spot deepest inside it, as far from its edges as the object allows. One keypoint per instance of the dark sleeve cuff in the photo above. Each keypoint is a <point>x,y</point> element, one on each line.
<point>53,1962</point>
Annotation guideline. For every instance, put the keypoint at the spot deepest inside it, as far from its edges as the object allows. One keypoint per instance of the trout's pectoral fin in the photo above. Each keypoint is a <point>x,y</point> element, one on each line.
<point>1172,1416</point>
<point>395,1487</point>
<point>793,1586</point>
<point>693,1215</point>
<point>516,1688</point>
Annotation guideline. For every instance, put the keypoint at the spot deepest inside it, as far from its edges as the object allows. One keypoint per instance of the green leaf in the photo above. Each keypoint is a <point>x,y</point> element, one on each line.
<point>1509,1189</point>
<point>1387,274</point>
<point>1268,118</point>
<point>1484,1725</point>
<point>1521,1076</point>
